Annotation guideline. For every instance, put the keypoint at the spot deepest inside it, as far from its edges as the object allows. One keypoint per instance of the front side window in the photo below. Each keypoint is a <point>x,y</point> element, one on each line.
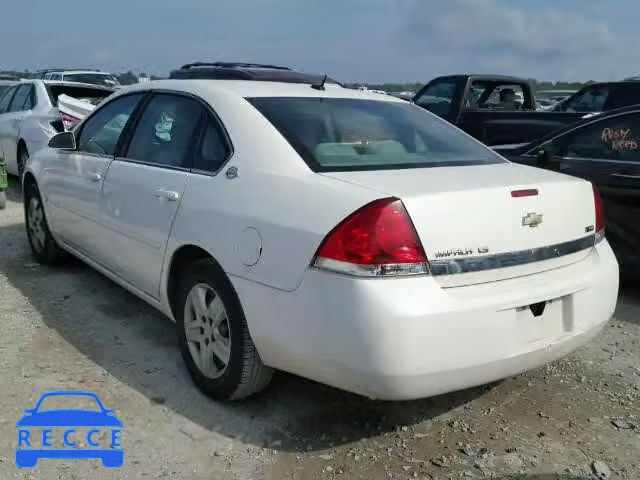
<point>20,98</point>
<point>438,97</point>
<point>101,131</point>
<point>591,100</point>
<point>341,134</point>
<point>616,138</point>
<point>214,148</point>
<point>5,100</point>
<point>166,133</point>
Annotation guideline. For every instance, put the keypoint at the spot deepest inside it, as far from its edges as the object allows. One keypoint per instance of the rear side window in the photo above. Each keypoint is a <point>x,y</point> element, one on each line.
<point>623,96</point>
<point>338,134</point>
<point>214,148</point>
<point>166,132</point>
<point>101,131</point>
<point>5,100</point>
<point>616,138</point>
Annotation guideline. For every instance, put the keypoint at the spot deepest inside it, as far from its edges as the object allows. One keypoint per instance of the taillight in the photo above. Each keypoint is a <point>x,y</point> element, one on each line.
<point>68,120</point>
<point>377,240</point>
<point>599,214</point>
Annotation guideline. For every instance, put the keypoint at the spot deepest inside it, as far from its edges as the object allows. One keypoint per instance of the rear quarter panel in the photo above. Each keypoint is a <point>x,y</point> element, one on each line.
<point>274,193</point>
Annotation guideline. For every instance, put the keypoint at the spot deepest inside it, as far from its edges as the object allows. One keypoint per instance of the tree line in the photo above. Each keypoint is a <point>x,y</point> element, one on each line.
<point>125,78</point>
<point>128,78</point>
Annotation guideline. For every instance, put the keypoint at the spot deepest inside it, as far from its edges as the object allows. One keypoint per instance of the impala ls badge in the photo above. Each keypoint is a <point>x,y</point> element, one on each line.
<point>532,220</point>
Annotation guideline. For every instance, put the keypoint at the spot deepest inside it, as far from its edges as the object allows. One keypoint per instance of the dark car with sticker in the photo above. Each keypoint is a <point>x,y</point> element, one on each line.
<point>604,149</point>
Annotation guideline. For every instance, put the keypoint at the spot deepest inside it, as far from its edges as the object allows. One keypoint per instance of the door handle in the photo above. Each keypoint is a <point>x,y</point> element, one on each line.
<point>168,194</point>
<point>94,176</point>
<point>624,175</point>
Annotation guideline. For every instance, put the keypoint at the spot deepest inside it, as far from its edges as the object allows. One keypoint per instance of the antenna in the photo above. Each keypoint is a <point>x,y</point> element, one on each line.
<point>320,86</point>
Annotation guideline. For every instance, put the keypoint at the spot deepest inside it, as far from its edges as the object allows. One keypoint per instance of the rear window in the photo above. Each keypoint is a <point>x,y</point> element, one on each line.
<point>84,93</point>
<point>337,134</point>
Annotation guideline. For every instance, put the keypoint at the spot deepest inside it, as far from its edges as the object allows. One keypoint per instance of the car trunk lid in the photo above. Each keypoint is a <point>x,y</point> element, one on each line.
<point>474,229</point>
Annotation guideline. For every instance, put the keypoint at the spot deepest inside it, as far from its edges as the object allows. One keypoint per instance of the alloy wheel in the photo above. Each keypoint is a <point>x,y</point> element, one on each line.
<point>207,330</point>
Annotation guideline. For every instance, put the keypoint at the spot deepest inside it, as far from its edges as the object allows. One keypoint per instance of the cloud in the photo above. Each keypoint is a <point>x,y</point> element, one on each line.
<point>527,39</point>
<point>352,40</point>
<point>487,23</point>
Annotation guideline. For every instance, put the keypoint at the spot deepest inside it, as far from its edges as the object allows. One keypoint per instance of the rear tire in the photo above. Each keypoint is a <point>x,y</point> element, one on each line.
<point>213,335</point>
<point>43,246</point>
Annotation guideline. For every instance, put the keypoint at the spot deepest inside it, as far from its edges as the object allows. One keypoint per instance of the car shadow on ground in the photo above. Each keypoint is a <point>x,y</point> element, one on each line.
<point>628,308</point>
<point>543,476</point>
<point>137,345</point>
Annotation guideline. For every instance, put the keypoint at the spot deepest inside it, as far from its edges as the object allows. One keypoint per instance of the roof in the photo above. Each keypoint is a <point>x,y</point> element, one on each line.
<point>251,88</point>
<point>67,84</point>
<point>245,71</point>
<point>47,70</point>
<point>481,76</point>
<point>91,72</point>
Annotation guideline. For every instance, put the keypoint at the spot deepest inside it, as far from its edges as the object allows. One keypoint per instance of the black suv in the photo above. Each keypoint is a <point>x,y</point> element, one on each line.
<point>601,97</point>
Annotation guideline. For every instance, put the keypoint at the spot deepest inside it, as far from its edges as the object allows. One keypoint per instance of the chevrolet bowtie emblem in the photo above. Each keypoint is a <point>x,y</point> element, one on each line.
<point>532,220</point>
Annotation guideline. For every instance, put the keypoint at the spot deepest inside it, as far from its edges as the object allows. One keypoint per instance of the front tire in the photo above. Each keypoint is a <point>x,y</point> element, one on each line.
<point>213,335</point>
<point>43,246</point>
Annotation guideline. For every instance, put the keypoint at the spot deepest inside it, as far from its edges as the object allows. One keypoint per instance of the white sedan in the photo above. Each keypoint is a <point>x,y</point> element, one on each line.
<point>347,237</point>
<point>29,116</point>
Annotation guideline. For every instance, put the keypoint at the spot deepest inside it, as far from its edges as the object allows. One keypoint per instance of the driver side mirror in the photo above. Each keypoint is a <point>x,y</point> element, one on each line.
<point>63,141</point>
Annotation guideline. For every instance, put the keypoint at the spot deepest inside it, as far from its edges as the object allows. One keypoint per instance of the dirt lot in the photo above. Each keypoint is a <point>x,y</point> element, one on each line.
<point>72,329</point>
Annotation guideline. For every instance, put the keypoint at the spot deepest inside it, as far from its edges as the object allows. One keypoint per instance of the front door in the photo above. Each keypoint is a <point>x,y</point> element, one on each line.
<point>73,182</point>
<point>144,186</point>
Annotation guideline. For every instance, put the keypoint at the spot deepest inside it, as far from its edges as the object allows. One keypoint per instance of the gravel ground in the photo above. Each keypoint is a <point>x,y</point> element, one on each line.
<point>70,328</point>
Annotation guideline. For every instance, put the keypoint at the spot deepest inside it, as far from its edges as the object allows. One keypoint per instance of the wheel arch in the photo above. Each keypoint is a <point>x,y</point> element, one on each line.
<point>182,257</point>
<point>22,144</point>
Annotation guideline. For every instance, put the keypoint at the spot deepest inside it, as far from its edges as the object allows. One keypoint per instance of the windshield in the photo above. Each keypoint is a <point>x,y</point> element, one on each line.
<point>69,402</point>
<point>339,134</point>
<point>92,78</point>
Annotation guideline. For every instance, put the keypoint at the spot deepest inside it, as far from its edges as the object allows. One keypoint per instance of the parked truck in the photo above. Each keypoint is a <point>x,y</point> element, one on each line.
<point>499,110</point>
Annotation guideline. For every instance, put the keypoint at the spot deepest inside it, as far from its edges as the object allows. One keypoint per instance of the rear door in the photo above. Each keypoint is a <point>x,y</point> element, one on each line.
<point>607,153</point>
<point>144,186</point>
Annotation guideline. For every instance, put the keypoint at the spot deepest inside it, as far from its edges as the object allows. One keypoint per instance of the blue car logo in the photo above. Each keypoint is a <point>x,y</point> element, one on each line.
<point>32,446</point>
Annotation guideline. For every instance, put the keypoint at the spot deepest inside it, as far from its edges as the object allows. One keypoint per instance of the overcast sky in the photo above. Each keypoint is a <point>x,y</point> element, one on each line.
<point>351,40</point>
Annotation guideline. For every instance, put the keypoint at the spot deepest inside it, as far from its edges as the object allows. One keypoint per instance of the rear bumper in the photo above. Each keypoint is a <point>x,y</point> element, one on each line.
<point>408,338</point>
